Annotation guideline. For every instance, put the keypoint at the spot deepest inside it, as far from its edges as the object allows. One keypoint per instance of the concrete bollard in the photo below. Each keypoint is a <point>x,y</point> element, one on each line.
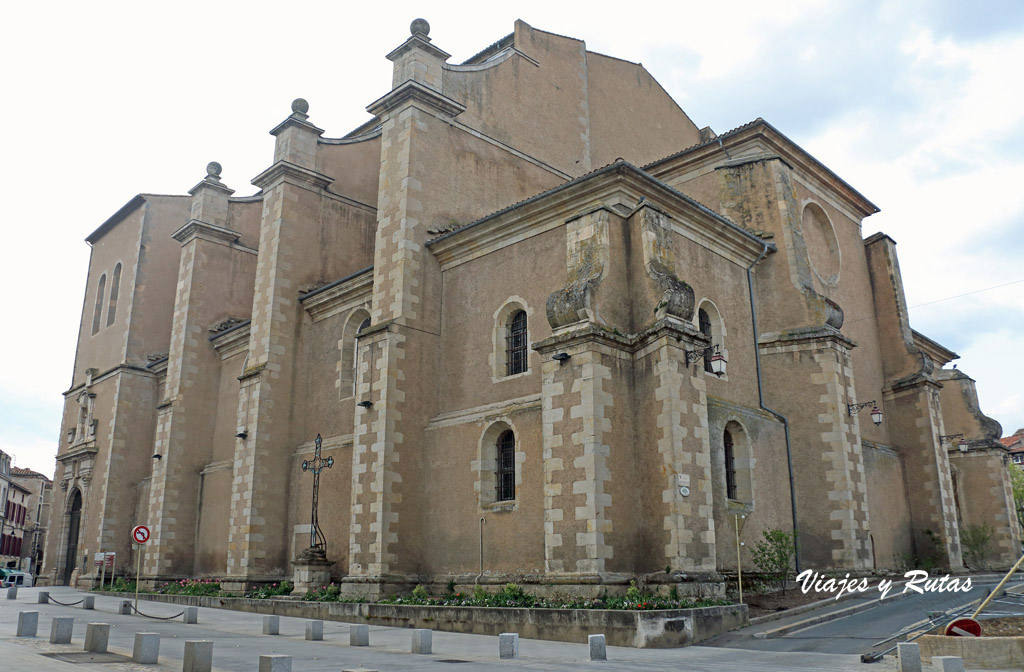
<point>12,593</point>
<point>28,623</point>
<point>275,663</point>
<point>909,656</point>
<point>61,629</point>
<point>315,631</point>
<point>89,602</point>
<point>421,640</point>
<point>147,647</point>
<point>125,609</point>
<point>43,597</point>
<point>198,656</point>
<point>271,625</point>
<point>508,645</point>
<point>96,637</point>
<point>598,651</point>
<point>191,615</point>
<point>359,635</point>
<point>948,663</point>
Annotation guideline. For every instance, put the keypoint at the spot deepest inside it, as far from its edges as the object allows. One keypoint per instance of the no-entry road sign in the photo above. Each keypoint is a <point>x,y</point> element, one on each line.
<point>963,627</point>
<point>140,534</point>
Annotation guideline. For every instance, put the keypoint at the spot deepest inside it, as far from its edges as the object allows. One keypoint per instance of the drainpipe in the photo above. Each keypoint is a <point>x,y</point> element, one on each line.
<point>781,417</point>
<point>476,581</point>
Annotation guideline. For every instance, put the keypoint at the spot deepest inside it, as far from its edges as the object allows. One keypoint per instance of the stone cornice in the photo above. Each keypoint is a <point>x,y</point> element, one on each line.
<point>805,337</point>
<point>232,341</point>
<point>298,120</point>
<point>419,43</point>
<point>284,170</point>
<point>212,183</point>
<point>410,91</point>
<point>196,228</point>
<point>620,188</point>
<point>938,353</point>
<point>99,378</point>
<point>588,332</point>
<point>81,450</point>
<point>355,291</point>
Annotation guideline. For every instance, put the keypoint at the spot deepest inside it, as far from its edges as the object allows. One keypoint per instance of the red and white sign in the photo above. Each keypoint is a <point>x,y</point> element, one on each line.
<point>964,627</point>
<point>140,534</point>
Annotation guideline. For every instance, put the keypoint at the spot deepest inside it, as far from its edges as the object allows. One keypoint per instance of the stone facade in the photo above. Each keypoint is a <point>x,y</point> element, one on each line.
<point>366,293</point>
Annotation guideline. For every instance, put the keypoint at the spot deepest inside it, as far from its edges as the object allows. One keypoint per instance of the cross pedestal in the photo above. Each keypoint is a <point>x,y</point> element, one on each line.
<point>312,571</point>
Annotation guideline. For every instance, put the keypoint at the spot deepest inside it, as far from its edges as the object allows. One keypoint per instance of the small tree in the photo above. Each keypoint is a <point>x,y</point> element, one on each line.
<point>774,555</point>
<point>975,540</point>
<point>1017,483</point>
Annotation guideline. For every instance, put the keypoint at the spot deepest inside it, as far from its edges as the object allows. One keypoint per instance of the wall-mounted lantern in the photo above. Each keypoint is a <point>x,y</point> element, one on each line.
<point>876,412</point>
<point>718,361</point>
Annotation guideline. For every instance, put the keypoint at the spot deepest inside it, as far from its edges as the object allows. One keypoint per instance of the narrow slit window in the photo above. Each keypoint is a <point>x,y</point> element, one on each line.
<point>730,466</point>
<point>515,344</point>
<point>704,324</point>
<point>115,287</point>
<point>98,313</point>
<point>505,478</point>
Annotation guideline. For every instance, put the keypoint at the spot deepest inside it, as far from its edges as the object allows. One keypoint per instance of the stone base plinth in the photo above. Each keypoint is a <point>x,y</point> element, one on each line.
<point>312,571</point>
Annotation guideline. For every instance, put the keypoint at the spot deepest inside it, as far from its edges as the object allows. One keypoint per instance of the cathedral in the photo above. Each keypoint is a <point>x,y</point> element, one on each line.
<point>529,323</point>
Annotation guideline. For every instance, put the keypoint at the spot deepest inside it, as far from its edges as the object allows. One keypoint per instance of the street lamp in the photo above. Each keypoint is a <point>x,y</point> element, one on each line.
<point>876,413</point>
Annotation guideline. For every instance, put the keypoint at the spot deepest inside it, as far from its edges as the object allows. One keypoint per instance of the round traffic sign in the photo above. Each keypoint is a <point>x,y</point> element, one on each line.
<point>140,534</point>
<point>963,627</point>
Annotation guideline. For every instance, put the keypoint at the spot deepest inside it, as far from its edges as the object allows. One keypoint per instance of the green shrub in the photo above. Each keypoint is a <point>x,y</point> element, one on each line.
<point>975,540</point>
<point>190,587</point>
<point>774,555</point>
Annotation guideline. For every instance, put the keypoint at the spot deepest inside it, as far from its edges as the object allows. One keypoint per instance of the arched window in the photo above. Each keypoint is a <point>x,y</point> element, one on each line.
<point>355,354</point>
<point>99,304</point>
<point>115,286</point>
<point>730,466</point>
<point>515,344</point>
<point>505,474</point>
<point>348,351</point>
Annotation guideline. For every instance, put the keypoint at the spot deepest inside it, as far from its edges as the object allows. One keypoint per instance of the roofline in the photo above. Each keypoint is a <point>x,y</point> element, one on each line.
<point>127,208</point>
<point>617,166</point>
<point>759,126</point>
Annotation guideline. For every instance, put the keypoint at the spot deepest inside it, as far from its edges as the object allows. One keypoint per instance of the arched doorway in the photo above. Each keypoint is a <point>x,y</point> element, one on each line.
<point>73,524</point>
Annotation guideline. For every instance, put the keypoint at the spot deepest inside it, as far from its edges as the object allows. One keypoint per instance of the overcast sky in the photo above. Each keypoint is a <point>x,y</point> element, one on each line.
<point>916,104</point>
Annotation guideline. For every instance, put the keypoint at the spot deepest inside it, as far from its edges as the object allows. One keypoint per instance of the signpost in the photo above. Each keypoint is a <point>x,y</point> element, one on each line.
<point>104,560</point>
<point>140,535</point>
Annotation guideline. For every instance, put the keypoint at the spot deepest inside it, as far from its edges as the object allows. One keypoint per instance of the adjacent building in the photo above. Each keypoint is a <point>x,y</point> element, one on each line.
<point>37,517</point>
<point>529,322</point>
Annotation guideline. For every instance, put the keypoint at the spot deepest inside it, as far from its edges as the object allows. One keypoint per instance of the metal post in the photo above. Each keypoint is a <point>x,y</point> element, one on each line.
<point>996,590</point>
<point>739,561</point>
<point>138,576</point>
<point>103,569</point>
<point>113,570</point>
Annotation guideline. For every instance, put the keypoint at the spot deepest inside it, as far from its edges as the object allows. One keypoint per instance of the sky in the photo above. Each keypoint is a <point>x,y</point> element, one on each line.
<point>916,104</point>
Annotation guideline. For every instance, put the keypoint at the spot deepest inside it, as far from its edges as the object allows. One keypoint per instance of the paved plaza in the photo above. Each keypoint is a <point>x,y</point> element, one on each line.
<point>238,643</point>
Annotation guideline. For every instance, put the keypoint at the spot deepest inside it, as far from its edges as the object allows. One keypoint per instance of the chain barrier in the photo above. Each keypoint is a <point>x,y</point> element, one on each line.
<point>158,618</point>
<point>56,601</point>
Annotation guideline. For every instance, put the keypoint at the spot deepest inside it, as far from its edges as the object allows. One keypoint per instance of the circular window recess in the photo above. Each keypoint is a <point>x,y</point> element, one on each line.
<point>822,245</point>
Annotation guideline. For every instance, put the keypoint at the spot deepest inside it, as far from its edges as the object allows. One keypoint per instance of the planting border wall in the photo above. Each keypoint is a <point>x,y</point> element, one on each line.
<point>642,629</point>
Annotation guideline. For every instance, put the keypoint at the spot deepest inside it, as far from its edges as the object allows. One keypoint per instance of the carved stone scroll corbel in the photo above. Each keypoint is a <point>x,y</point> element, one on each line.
<point>677,298</point>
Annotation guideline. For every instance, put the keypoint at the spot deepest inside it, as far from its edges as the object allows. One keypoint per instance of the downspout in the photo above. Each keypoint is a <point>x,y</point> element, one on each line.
<point>760,398</point>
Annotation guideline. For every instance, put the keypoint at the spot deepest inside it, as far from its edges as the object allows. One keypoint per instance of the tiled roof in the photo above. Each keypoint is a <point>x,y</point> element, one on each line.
<point>19,471</point>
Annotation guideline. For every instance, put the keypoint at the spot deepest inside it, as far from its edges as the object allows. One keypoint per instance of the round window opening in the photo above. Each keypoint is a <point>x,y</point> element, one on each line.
<point>822,244</point>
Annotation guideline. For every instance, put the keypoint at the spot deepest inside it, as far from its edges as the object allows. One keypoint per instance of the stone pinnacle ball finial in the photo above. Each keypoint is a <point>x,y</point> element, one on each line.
<point>420,27</point>
<point>213,170</point>
<point>300,105</point>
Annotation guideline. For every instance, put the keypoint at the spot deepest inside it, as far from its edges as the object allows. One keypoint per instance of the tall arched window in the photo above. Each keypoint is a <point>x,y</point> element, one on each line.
<point>515,344</point>
<point>505,474</point>
<point>704,324</point>
<point>348,352</point>
<point>115,286</point>
<point>730,466</point>
<point>99,303</point>
<point>355,354</point>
